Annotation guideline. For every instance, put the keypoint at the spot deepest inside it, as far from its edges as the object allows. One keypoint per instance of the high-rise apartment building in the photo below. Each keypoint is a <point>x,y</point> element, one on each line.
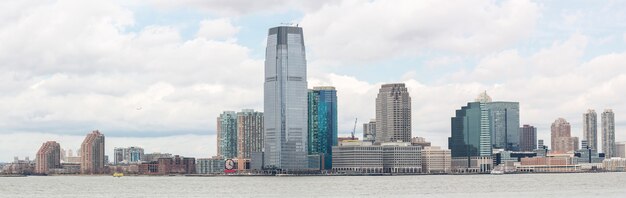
<point>227,134</point>
<point>561,139</point>
<point>92,154</point>
<point>48,157</point>
<point>393,114</point>
<point>590,129</point>
<point>249,134</point>
<point>369,131</point>
<point>128,155</point>
<point>528,138</point>
<point>608,133</point>
<point>285,99</point>
<point>322,129</point>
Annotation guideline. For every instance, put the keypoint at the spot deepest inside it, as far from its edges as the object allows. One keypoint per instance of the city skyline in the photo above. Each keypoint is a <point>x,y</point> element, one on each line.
<point>157,82</point>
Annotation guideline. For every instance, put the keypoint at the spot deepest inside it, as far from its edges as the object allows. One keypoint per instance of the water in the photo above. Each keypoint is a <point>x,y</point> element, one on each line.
<point>527,185</point>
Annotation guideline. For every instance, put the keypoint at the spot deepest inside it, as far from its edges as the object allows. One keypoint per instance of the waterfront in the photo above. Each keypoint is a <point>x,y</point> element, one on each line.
<point>519,185</point>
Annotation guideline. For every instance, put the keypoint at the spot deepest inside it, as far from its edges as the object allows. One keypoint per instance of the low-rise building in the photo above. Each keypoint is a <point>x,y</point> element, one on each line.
<point>165,166</point>
<point>363,157</point>
<point>214,165</point>
<point>614,164</point>
<point>548,165</point>
<point>474,164</point>
<point>436,160</point>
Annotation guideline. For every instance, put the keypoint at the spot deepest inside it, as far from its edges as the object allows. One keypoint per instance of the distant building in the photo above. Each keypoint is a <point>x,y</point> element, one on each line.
<point>249,135</point>
<point>540,145</point>
<point>92,154</point>
<point>369,131</point>
<point>214,165</point>
<point>153,157</point>
<point>621,149</point>
<point>562,141</point>
<point>473,164</point>
<point>128,155</point>
<point>285,100</point>
<point>504,123</point>
<point>393,114</point>
<point>590,129</point>
<point>528,138</point>
<point>420,141</point>
<point>436,160</point>
<point>363,157</point>
<point>608,133</point>
<point>48,157</point>
<point>167,166</point>
<point>227,134</point>
<point>322,128</point>
<point>470,133</point>
<point>614,164</point>
<point>548,165</point>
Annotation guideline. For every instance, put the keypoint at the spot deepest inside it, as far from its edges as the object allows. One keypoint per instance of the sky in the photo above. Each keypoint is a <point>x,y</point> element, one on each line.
<point>157,73</point>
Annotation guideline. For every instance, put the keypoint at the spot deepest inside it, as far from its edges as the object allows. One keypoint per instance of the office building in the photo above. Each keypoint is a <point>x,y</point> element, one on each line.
<point>590,129</point>
<point>322,124</point>
<point>420,141</point>
<point>393,114</point>
<point>561,139</point>
<point>363,157</point>
<point>548,165</point>
<point>614,164</point>
<point>168,166</point>
<point>128,155</point>
<point>541,145</point>
<point>504,124</point>
<point>227,134</point>
<point>249,135</point>
<point>436,160</point>
<point>92,154</point>
<point>369,131</point>
<point>608,133</point>
<point>153,157</point>
<point>473,164</point>
<point>48,157</point>
<point>285,100</point>
<point>470,133</point>
<point>528,138</point>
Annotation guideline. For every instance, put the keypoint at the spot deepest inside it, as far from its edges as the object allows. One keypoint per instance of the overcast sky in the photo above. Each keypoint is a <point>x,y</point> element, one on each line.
<point>157,73</point>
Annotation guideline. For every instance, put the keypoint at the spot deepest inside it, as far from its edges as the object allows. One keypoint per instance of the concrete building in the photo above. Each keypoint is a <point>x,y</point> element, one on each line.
<point>363,157</point>
<point>322,124</point>
<point>528,138</point>
<point>473,164</point>
<point>590,129</point>
<point>548,165</point>
<point>128,155</point>
<point>614,164</point>
<point>153,157</point>
<point>562,141</point>
<point>436,160</point>
<point>227,134</point>
<point>620,149</point>
<point>608,133</point>
<point>420,141</point>
<point>214,165</point>
<point>369,131</point>
<point>92,154</point>
<point>249,135</point>
<point>285,100</point>
<point>48,157</point>
<point>393,114</point>
<point>541,145</point>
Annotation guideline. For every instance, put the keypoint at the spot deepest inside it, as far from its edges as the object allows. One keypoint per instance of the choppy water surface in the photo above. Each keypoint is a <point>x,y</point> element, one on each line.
<point>528,185</point>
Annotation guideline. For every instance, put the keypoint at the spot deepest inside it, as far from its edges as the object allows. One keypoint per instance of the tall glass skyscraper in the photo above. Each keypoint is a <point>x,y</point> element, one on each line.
<point>504,118</point>
<point>285,100</point>
<point>227,135</point>
<point>608,133</point>
<point>471,131</point>
<point>322,123</point>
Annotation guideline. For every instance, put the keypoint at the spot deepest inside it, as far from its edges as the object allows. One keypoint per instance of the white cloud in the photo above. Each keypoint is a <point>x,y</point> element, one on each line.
<point>374,30</point>
<point>217,29</point>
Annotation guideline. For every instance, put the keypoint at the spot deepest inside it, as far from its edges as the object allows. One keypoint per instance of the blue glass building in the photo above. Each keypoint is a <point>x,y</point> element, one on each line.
<point>322,121</point>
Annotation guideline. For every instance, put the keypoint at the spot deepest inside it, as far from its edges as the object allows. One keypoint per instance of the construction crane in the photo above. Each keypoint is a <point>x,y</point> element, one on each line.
<point>354,129</point>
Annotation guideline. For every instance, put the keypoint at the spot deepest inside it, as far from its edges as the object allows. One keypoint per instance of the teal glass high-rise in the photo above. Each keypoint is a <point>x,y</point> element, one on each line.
<point>322,133</point>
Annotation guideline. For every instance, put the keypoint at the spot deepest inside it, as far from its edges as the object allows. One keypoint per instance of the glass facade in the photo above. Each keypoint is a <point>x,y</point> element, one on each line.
<point>504,118</point>
<point>322,129</point>
<point>285,100</point>
<point>470,131</point>
<point>227,135</point>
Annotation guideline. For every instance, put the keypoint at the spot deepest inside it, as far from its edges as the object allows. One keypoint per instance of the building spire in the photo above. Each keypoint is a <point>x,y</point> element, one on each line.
<point>483,97</point>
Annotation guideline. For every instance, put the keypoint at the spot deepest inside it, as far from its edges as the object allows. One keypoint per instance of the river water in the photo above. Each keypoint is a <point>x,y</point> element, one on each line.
<point>526,185</point>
